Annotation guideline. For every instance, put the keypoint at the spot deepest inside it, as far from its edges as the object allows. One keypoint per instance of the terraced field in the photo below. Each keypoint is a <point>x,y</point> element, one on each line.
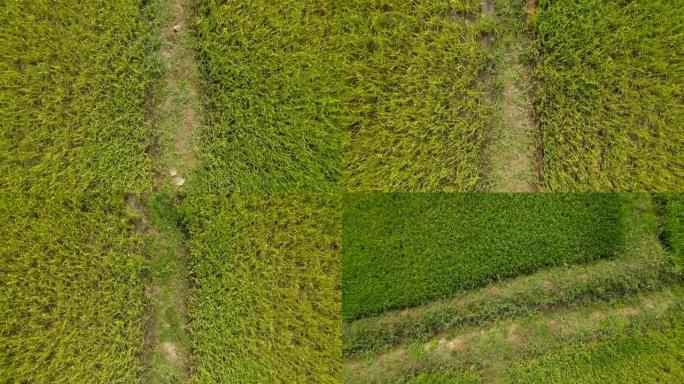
<point>595,318</point>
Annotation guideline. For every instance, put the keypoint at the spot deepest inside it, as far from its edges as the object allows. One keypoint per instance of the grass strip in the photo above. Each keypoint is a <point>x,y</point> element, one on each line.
<point>264,304</point>
<point>490,352</point>
<point>642,265</point>
<point>404,250</point>
<point>655,356</point>
<point>609,94</point>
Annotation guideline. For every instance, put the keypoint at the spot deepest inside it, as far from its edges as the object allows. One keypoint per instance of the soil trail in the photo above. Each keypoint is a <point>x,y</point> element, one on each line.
<point>513,154</point>
<point>178,113</point>
<point>493,347</point>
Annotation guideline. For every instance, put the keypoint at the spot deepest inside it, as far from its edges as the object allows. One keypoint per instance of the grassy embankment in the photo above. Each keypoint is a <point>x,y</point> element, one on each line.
<point>594,315</point>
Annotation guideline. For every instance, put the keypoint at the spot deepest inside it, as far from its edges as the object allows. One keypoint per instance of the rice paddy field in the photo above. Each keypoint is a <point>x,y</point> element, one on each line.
<point>265,302</point>
<point>417,119</point>
<point>74,85</point>
<point>615,318</point>
<point>198,191</point>
<point>407,249</point>
<point>609,94</point>
<point>271,74</point>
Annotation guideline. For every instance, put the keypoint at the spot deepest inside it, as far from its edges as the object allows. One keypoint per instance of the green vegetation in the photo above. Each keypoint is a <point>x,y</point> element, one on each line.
<point>72,302</point>
<point>269,70</point>
<point>527,347</point>
<point>641,266</point>
<point>75,77</point>
<point>609,94</point>
<point>406,249</point>
<point>672,233</point>
<point>652,357</point>
<point>416,118</point>
<point>265,299</point>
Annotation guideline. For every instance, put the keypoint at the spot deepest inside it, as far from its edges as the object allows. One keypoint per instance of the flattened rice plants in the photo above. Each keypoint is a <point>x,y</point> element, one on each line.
<point>609,95</point>
<point>406,249</point>
<point>415,118</point>
<point>265,300</point>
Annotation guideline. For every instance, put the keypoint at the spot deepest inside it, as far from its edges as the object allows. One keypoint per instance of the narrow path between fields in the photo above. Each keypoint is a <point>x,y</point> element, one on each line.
<point>513,154</point>
<point>490,349</point>
<point>176,115</point>
<point>179,107</point>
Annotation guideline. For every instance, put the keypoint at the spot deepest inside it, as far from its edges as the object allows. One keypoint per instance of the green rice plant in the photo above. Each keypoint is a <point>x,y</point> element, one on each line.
<point>264,305</point>
<point>609,94</point>
<point>407,249</point>
<point>415,118</point>
<point>651,356</point>
<point>272,91</point>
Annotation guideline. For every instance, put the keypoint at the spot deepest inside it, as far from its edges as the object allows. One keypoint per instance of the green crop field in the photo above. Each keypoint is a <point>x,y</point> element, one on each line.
<point>274,112</point>
<point>609,94</point>
<point>406,249</point>
<point>205,191</point>
<point>618,319</point>
<point>416,118</point>
<point>265,303</point>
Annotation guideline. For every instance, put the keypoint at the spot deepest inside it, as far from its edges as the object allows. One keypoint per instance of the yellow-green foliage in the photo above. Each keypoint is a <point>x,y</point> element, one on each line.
<point>70,291</point>
<point>609,94</point>
<point>74,77</point>
<point>265,300</point>
<point>273,121</point>
<point>416,120</point>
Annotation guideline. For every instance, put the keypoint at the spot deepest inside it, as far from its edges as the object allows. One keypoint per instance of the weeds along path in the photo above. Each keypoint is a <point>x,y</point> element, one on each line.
<point>493,352</point>
<point>178,108</point>
<point>513,154</point>
<point>176,115</point>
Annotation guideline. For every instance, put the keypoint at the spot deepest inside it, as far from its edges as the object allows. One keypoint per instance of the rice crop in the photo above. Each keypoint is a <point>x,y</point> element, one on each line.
<point>609,78</point>
<point>264,305</point>
<point>407,249</point>
<point>75,78</point>
<point>71,293</point>
<point>273,116</point>
<point>415,118</point>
